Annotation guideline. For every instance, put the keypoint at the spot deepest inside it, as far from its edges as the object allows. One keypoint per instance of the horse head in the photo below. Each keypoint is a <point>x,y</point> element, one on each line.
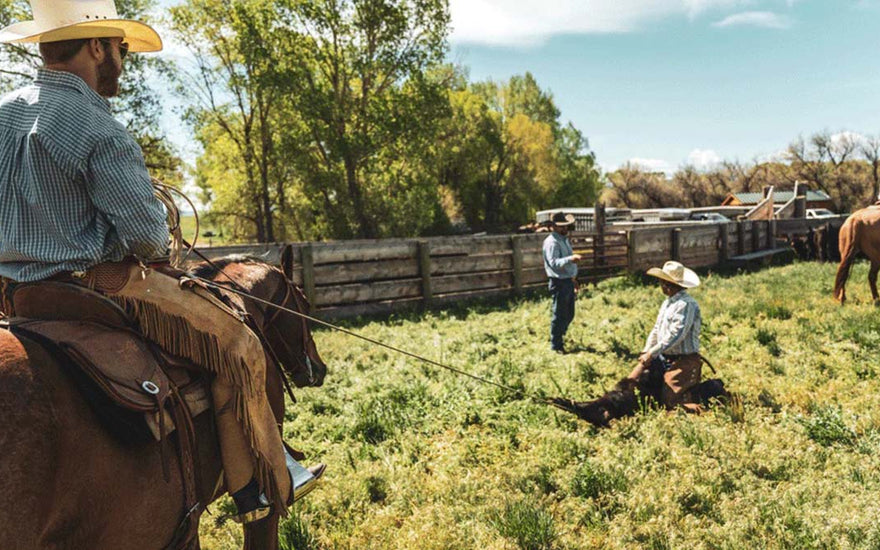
<point>287,335</point>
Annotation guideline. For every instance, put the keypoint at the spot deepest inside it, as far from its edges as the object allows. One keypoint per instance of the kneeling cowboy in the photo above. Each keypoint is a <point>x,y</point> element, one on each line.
<point>75,196</point>
<point>674,343</point>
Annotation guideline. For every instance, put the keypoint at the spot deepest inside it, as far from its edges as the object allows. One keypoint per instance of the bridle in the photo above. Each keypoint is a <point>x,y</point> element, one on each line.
<point>290,291</point>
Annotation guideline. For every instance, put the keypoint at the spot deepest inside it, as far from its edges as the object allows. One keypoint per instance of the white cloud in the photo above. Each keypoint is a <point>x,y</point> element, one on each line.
<point>527,22</point>
<point>652,165</point>
<point>766,19</point>
<point>703,159</point>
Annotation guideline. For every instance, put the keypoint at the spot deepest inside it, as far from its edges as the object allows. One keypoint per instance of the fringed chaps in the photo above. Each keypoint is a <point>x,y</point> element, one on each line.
<point>190,322</point>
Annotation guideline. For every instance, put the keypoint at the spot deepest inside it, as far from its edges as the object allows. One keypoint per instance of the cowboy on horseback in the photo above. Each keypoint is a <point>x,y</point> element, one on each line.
<point>78,206</point>
<point>673,346</point>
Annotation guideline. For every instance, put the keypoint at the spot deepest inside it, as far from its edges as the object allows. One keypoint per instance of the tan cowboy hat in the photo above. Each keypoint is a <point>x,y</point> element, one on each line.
<point>57,20</point>
<point>676,273</point>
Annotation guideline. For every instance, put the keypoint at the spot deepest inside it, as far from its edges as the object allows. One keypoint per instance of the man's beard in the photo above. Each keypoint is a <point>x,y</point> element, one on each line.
<point>108,77</point>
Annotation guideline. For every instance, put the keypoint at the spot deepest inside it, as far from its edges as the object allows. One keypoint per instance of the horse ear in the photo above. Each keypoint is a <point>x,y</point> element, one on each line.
<point>287,261</point>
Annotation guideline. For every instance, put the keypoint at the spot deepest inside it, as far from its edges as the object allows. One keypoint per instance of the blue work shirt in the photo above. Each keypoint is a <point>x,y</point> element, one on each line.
<point>74,189</point>
<point>558,261</point>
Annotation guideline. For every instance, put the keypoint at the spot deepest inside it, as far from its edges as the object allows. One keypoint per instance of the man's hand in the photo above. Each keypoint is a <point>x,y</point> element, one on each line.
<point>577,285</point>
<point>644,359</point>
<point>636,372</point>
<point>576,257</point>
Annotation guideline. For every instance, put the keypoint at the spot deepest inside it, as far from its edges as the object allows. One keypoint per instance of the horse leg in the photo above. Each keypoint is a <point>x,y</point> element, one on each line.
<point>262,535</point>
<point>872,280</point>
<point>848,250</point>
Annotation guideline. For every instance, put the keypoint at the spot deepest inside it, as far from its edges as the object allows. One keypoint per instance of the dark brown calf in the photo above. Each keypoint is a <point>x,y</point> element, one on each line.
<point>628,396</point>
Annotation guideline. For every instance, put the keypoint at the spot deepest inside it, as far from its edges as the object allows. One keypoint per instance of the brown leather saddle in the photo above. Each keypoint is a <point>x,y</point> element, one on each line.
<point>99,338</point>
<point>110,361</point>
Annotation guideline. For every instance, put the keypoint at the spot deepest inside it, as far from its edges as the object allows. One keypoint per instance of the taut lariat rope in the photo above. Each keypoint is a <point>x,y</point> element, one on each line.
<point>238,289</point>
<point>209,283</point>
<point>164,194</point>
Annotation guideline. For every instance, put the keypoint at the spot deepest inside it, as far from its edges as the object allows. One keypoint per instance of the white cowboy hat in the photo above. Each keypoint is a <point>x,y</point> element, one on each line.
<point>56,20</point>
<point>676,273</point>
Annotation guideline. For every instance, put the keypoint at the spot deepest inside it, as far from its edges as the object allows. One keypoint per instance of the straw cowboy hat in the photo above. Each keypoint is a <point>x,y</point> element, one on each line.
<point>57,20</point>
<point>676,273</point>
<point>561,219</point>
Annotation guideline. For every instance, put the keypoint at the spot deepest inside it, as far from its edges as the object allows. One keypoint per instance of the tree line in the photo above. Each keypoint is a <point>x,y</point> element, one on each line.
<point>846,166</point>
<point>334,119</point>
<point>342,119</point>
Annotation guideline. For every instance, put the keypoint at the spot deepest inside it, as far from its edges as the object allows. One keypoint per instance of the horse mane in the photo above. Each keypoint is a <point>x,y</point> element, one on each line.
<point>209,270</point>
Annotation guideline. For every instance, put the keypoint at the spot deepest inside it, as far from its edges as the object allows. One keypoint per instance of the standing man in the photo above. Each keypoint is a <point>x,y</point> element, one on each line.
<point>674,343</point>
<point>76,203</point>
<point>560,263</point>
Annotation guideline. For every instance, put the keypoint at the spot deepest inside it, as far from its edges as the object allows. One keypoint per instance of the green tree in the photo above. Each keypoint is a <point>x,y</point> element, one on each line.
<point>362,83</point>
<point>326,105</point>
<point>232,104</point>
<point>506,155</point>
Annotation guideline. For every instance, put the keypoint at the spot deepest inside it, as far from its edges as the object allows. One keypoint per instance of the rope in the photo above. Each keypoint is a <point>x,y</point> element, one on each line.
<point>370,340</point>
<point>165,194</point>
<point>238,289</point>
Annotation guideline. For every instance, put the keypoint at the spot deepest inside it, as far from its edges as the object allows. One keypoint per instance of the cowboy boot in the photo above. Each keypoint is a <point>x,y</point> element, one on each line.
<point>302,480</point>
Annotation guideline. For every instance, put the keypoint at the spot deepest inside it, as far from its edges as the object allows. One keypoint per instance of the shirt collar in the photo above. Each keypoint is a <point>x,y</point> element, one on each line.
<point>64,79</point>
<point>677,296</point>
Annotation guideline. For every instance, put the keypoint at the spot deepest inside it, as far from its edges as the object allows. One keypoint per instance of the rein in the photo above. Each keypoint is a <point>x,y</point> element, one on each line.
<point>236,288</point>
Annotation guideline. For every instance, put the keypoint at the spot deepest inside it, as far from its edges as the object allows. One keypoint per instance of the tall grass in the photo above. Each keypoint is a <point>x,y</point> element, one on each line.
<point>421,459</point>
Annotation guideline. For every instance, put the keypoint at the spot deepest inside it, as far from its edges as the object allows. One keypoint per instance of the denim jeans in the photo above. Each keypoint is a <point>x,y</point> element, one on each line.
<point>562,311</point>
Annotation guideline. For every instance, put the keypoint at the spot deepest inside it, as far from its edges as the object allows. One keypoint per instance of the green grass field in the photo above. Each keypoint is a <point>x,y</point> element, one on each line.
<point>422,459</point>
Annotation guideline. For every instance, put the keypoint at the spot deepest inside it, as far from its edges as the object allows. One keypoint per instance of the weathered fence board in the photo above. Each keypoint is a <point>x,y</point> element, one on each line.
<point>378,276</point>
<point>477,281</point>
<point>468,264</point>
<point>367,292</point>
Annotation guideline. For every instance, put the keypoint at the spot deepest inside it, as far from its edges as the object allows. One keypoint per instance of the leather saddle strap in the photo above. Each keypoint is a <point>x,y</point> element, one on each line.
<point>187,529</point>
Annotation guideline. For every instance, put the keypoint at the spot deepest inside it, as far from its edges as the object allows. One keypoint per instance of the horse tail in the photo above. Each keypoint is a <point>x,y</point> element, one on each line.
<point>849,247</point>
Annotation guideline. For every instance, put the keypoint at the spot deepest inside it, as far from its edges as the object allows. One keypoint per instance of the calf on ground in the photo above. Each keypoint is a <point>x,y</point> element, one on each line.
<point>628,396</point>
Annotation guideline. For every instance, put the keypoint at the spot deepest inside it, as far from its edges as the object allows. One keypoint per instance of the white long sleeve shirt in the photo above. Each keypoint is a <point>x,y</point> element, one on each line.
<point>677,330</point>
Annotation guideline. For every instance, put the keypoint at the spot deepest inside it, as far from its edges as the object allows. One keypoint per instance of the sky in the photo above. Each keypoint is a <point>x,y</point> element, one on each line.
<point>664,83</point>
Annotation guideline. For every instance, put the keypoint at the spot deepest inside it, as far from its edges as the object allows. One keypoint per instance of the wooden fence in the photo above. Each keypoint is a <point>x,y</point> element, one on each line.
<point>348,278</point>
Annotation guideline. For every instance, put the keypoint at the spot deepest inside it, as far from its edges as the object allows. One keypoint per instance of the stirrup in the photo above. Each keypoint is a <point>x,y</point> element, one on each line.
<point>257,505</point>
<point>254,515</point>
<point>302,480</point>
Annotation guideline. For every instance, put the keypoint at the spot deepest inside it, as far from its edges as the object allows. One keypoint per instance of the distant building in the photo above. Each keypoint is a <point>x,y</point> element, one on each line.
<point>815,199</point>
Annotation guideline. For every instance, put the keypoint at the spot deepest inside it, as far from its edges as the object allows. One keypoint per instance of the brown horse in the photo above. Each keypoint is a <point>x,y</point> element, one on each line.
<point>859,233</point>
<point>68,484</point>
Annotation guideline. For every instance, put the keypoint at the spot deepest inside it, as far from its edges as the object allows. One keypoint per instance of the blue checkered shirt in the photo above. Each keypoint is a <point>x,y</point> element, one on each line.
<point>558,257</point>
<point>74,189</point>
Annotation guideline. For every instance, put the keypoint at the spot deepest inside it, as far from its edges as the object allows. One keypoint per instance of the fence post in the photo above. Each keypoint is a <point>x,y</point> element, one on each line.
<point>724,236</point>
<point>631,243</point>
<point>800,200</point>
<point>599,236</point>
<point>740,238</point>
<point>517,258</point>
<point>308,263</point>
<point>676,244</point>
<point>756,236</point>
<point>424,251</point>
<point>771,234</point>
